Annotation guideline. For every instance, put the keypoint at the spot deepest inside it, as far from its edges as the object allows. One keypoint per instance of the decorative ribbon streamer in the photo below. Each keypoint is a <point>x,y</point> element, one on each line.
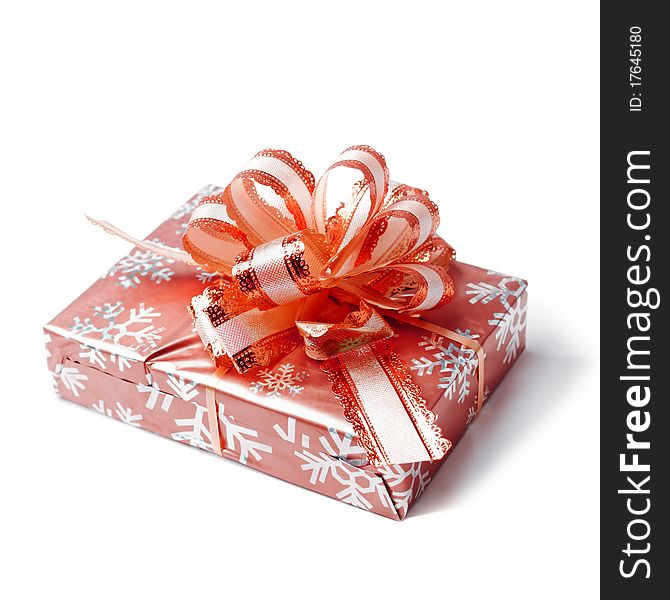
<point>289,272</point>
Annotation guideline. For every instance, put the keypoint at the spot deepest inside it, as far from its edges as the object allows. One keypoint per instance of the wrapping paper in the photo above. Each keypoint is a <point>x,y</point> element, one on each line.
<point>127,348</point>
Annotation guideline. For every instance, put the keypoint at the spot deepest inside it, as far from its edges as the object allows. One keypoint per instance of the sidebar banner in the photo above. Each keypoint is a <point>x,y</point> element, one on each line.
<point>635,264</point>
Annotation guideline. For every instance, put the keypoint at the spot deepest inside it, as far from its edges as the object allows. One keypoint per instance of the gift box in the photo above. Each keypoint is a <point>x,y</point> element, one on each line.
<point>128,349</point>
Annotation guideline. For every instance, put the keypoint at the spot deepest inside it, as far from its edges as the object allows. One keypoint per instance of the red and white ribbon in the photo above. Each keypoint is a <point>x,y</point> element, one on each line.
<point>283,259</point>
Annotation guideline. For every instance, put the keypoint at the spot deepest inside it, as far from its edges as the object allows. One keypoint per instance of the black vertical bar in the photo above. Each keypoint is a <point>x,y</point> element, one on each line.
<point>635,346</point>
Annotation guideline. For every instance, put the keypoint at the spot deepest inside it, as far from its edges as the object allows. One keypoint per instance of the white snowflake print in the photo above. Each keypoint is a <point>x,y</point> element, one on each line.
<point>339,446</point>
<point>126,415</point>
<point>237,438</point>
<point>121,362</point>
<point>507,287</point>
<point>461,361</point>
<point>289,435</point>
<point>121,412</point>
<point>188,207</point>
<point>95,357</point>
<point>71,378</point>
<point>184,388</point>
<point>342,447</point>
<point>456,360</point>
<point>154,395</point>
<point>357,485</point>
<point>141,265</point>
<point>100,407</point>
<point>509,327</point>
<point>241,439</point>
<point>319,466</point>
<point>98,358</point>
<point>284,379</point>
<point>206,276</point>
<point>339,461</point>
<point>196,433</point>
<point>411,480</point>
<point>110,324</point>
<point>472,413</point>
<point>185,210</point>
<point>181,228</point>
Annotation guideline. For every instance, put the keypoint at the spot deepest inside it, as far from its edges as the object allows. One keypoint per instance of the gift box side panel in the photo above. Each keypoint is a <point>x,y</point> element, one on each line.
<point>490,308</point>
<point>503,343</point>
<point>506,342</point>
<point>294,454</point>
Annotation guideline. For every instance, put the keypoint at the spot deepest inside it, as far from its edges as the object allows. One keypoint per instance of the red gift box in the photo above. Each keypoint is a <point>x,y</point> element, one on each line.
<point>127,348</point>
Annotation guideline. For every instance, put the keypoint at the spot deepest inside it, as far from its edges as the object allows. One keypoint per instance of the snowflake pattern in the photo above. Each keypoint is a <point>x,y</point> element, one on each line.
<point>284,379</point>
<point>100,407</point>
<point>98,358</point>
<point>357,484</point>
<point>242,438</point>
<point>184,388</point>
<point>509,325</point>
<point>181,228</point>
<point>126,415</point>
<point>407,483</point>
<point>507,287</point>
<point>196,433</point>
<point>237,438</point>
<point>141,265</point>
<point>461,362</point>
<point>472,411</point>
<point>154,395</point>
<point>206,277</point>
<point>187,208</point>
<point>455,360</point>
<point>337,462</point>
<point>108,324</point>
<point>289,434</point>
<point>71,378</point>
<point>122,413</point>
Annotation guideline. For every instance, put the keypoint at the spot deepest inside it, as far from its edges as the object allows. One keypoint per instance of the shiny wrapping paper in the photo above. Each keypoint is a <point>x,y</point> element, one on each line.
<point>127,348</point>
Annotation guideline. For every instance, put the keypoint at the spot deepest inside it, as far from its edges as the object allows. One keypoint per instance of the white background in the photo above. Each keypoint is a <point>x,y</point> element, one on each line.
<point>124,110</point>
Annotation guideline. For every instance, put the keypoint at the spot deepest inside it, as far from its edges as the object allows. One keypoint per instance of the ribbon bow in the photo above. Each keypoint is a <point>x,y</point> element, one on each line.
<point>291,274</point>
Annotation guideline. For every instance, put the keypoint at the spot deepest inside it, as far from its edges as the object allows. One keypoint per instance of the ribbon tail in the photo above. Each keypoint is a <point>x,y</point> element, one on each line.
<point>385,406</point>
<point>156,248</point>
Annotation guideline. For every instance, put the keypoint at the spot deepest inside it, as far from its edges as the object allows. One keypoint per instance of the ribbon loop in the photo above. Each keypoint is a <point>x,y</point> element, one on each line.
<point>211,239</point>
<point>281,271</point>
<point>372,188</point>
